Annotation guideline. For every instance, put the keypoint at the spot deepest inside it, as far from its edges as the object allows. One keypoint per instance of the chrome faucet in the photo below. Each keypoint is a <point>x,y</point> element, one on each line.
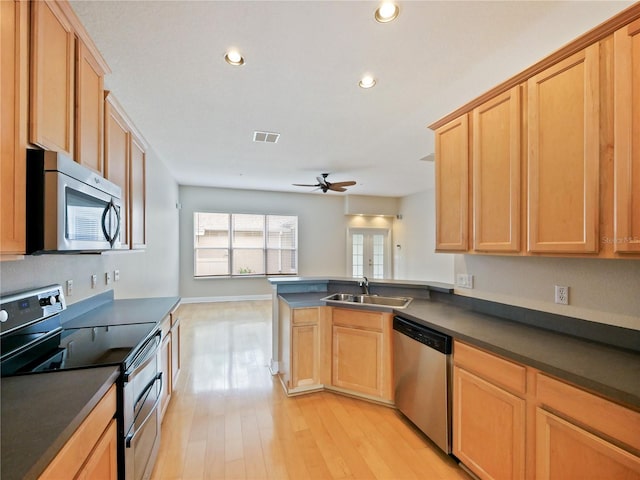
<point>365,285</point>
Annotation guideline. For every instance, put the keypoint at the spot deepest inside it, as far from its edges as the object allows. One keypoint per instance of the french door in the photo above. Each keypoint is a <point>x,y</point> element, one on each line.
<point>368,252</point>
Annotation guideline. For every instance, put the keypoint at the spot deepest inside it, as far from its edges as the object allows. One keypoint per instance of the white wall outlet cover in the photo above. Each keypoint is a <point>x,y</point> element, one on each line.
<point>562,295</point>
<point>116,275</point>
<point>107,278</point>
<point>69,287</point>
<point>94,281</point>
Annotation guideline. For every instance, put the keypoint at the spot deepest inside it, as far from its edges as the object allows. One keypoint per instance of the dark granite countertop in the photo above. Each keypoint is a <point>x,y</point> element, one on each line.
<point>119,312</point>
<point>40,412</point>
<point>613,372</point>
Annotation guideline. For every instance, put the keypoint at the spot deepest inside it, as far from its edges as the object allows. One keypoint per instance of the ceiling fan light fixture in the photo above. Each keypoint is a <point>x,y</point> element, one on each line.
<point>367,81</point>
<point>234,57</point>
<point>386,12</point>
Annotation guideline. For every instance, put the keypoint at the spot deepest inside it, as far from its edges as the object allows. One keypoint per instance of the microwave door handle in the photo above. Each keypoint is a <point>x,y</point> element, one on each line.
<point>110,238</point>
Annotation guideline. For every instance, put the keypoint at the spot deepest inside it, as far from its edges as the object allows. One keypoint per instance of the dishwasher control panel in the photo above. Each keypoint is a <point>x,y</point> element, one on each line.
<point>431,338</point>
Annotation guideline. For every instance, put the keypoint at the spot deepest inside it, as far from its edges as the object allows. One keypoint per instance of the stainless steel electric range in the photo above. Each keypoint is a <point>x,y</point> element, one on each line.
<point>34,340</point>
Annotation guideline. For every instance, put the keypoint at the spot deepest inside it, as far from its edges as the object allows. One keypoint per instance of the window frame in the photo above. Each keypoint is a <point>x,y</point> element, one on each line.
<point>265,248</point>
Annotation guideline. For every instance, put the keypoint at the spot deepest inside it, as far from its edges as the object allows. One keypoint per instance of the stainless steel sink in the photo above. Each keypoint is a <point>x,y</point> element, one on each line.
<point>372,300</point>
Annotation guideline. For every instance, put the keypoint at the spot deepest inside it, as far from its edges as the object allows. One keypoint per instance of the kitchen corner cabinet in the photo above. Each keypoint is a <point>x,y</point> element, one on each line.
<point>166,349</point>
<point>496,159</point>
<point>361,352</point>
<point>14,17</point>
<point>488,413</point>
<point>452,185</point>
<point>125,165</point>
<point>564,135</point>
<point>67,75</point>
<point>626,230</point>
<point>91,452</point>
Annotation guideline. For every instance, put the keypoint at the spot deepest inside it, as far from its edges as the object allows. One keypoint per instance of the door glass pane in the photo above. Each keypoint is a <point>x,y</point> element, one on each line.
<point>378,256</point>
<point>357,256</point>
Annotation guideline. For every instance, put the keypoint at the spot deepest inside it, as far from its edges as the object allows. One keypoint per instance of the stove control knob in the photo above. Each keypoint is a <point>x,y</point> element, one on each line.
<point>48,301</point>
<point>4,316</point>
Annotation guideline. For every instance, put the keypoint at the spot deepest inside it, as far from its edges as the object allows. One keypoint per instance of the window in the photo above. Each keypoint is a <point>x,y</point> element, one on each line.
<point>233,245</point>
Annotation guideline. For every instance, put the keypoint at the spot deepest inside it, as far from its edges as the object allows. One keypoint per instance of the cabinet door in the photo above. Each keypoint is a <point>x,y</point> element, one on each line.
<point>305,351</point>
<point>116,154</point>
<point>137,193</point>
<point>496,174</point>
<point>165,368</point>
<point>102,464</point>
<point>175,353</point>
<point>452,185</point>
<point>627,139</point>
<point>358,360</point>
<point>565,451</point>
<point>488,427</point>
<point>89,109</point>
<point>52,78</point>
<point>13,125</point>
<point>563,126</point>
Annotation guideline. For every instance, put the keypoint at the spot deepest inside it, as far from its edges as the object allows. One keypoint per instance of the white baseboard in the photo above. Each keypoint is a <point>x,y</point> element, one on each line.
<point>238,298</point>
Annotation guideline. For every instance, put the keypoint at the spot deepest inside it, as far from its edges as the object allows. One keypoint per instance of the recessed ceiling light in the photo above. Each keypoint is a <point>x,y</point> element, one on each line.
<point>386,12</point>
<point>367,81</point>
<point>233,57</point>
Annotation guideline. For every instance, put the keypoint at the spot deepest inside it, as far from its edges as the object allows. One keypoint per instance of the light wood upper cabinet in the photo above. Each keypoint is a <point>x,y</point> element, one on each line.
<point>116,160</point>
<point>563,173</point>
<point>13,125</point>
<point>496,173</point>
<point>52,78</point>
<point>125,165</point>
<point>137,193</point>
<point>89,109</point>
<point>627,139</point>
<point>452,185</point>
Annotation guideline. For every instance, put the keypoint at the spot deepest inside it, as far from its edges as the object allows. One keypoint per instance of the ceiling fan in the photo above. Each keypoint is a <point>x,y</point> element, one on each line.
<point>324,185</point>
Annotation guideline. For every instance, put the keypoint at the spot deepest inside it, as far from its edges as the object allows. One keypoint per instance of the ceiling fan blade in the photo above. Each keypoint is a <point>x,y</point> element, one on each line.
<point>303,185</point>
<point>322,181</point>
<point>337,189</point>
<point>343,184</point>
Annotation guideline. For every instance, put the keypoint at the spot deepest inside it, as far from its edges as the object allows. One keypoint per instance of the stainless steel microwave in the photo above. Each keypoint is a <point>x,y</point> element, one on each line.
<point>70,208</point>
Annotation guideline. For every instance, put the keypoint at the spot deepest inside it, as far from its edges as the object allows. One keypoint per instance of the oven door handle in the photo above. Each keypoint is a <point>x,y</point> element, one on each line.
<point>144,360</point>
<point>130,437</point>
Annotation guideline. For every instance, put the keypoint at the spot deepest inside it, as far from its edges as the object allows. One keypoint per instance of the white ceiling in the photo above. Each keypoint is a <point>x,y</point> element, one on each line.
<point>303,63</point>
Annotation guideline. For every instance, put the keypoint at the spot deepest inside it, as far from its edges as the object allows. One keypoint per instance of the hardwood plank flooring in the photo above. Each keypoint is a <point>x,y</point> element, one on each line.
<point>230,419</point>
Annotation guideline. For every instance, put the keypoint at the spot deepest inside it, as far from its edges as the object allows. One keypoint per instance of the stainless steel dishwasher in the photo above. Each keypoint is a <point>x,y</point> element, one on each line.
<point>422,372</point>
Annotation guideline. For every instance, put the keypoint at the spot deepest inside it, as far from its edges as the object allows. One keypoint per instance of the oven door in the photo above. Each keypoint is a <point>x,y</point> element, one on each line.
<point>78,216</point>
<point>141,411</point>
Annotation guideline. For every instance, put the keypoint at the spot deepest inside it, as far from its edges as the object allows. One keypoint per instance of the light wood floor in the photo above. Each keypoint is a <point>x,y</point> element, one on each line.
<point>229,418</point>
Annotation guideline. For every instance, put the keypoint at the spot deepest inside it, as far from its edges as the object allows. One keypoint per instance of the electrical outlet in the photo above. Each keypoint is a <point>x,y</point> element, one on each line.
<point>116,275</point>
<point>94,281</point>
<point>464,280</point>
<point>69,288</point>
<point>562,295</point>
<point>107,278</point>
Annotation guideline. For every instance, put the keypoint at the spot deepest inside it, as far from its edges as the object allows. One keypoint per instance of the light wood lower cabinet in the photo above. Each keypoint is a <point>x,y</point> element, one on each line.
<point>361,352</point>
<point>511,421</point>
<point>488,414</point>
<point>91,451</point>
<point>166,349</point>
<point>176,361</point>
<point>305,355</point>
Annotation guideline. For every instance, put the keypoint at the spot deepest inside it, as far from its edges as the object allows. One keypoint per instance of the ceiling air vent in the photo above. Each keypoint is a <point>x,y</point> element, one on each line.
<point>265,137</point>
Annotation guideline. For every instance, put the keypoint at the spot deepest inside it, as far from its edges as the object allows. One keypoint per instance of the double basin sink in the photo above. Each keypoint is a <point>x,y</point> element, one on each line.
<point>367,299</point>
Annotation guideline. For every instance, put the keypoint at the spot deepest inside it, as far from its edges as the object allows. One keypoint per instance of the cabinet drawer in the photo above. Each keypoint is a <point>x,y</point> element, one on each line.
<point>358,319</point>
<point>602,415</point>
<point>305,316</point>
<point>496,369</point>
<point>76,451</point>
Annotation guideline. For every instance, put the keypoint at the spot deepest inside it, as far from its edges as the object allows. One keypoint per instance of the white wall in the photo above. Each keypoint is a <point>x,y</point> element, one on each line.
<point>416,259</point>
<point>322,236</point>
<point>151,273</point>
